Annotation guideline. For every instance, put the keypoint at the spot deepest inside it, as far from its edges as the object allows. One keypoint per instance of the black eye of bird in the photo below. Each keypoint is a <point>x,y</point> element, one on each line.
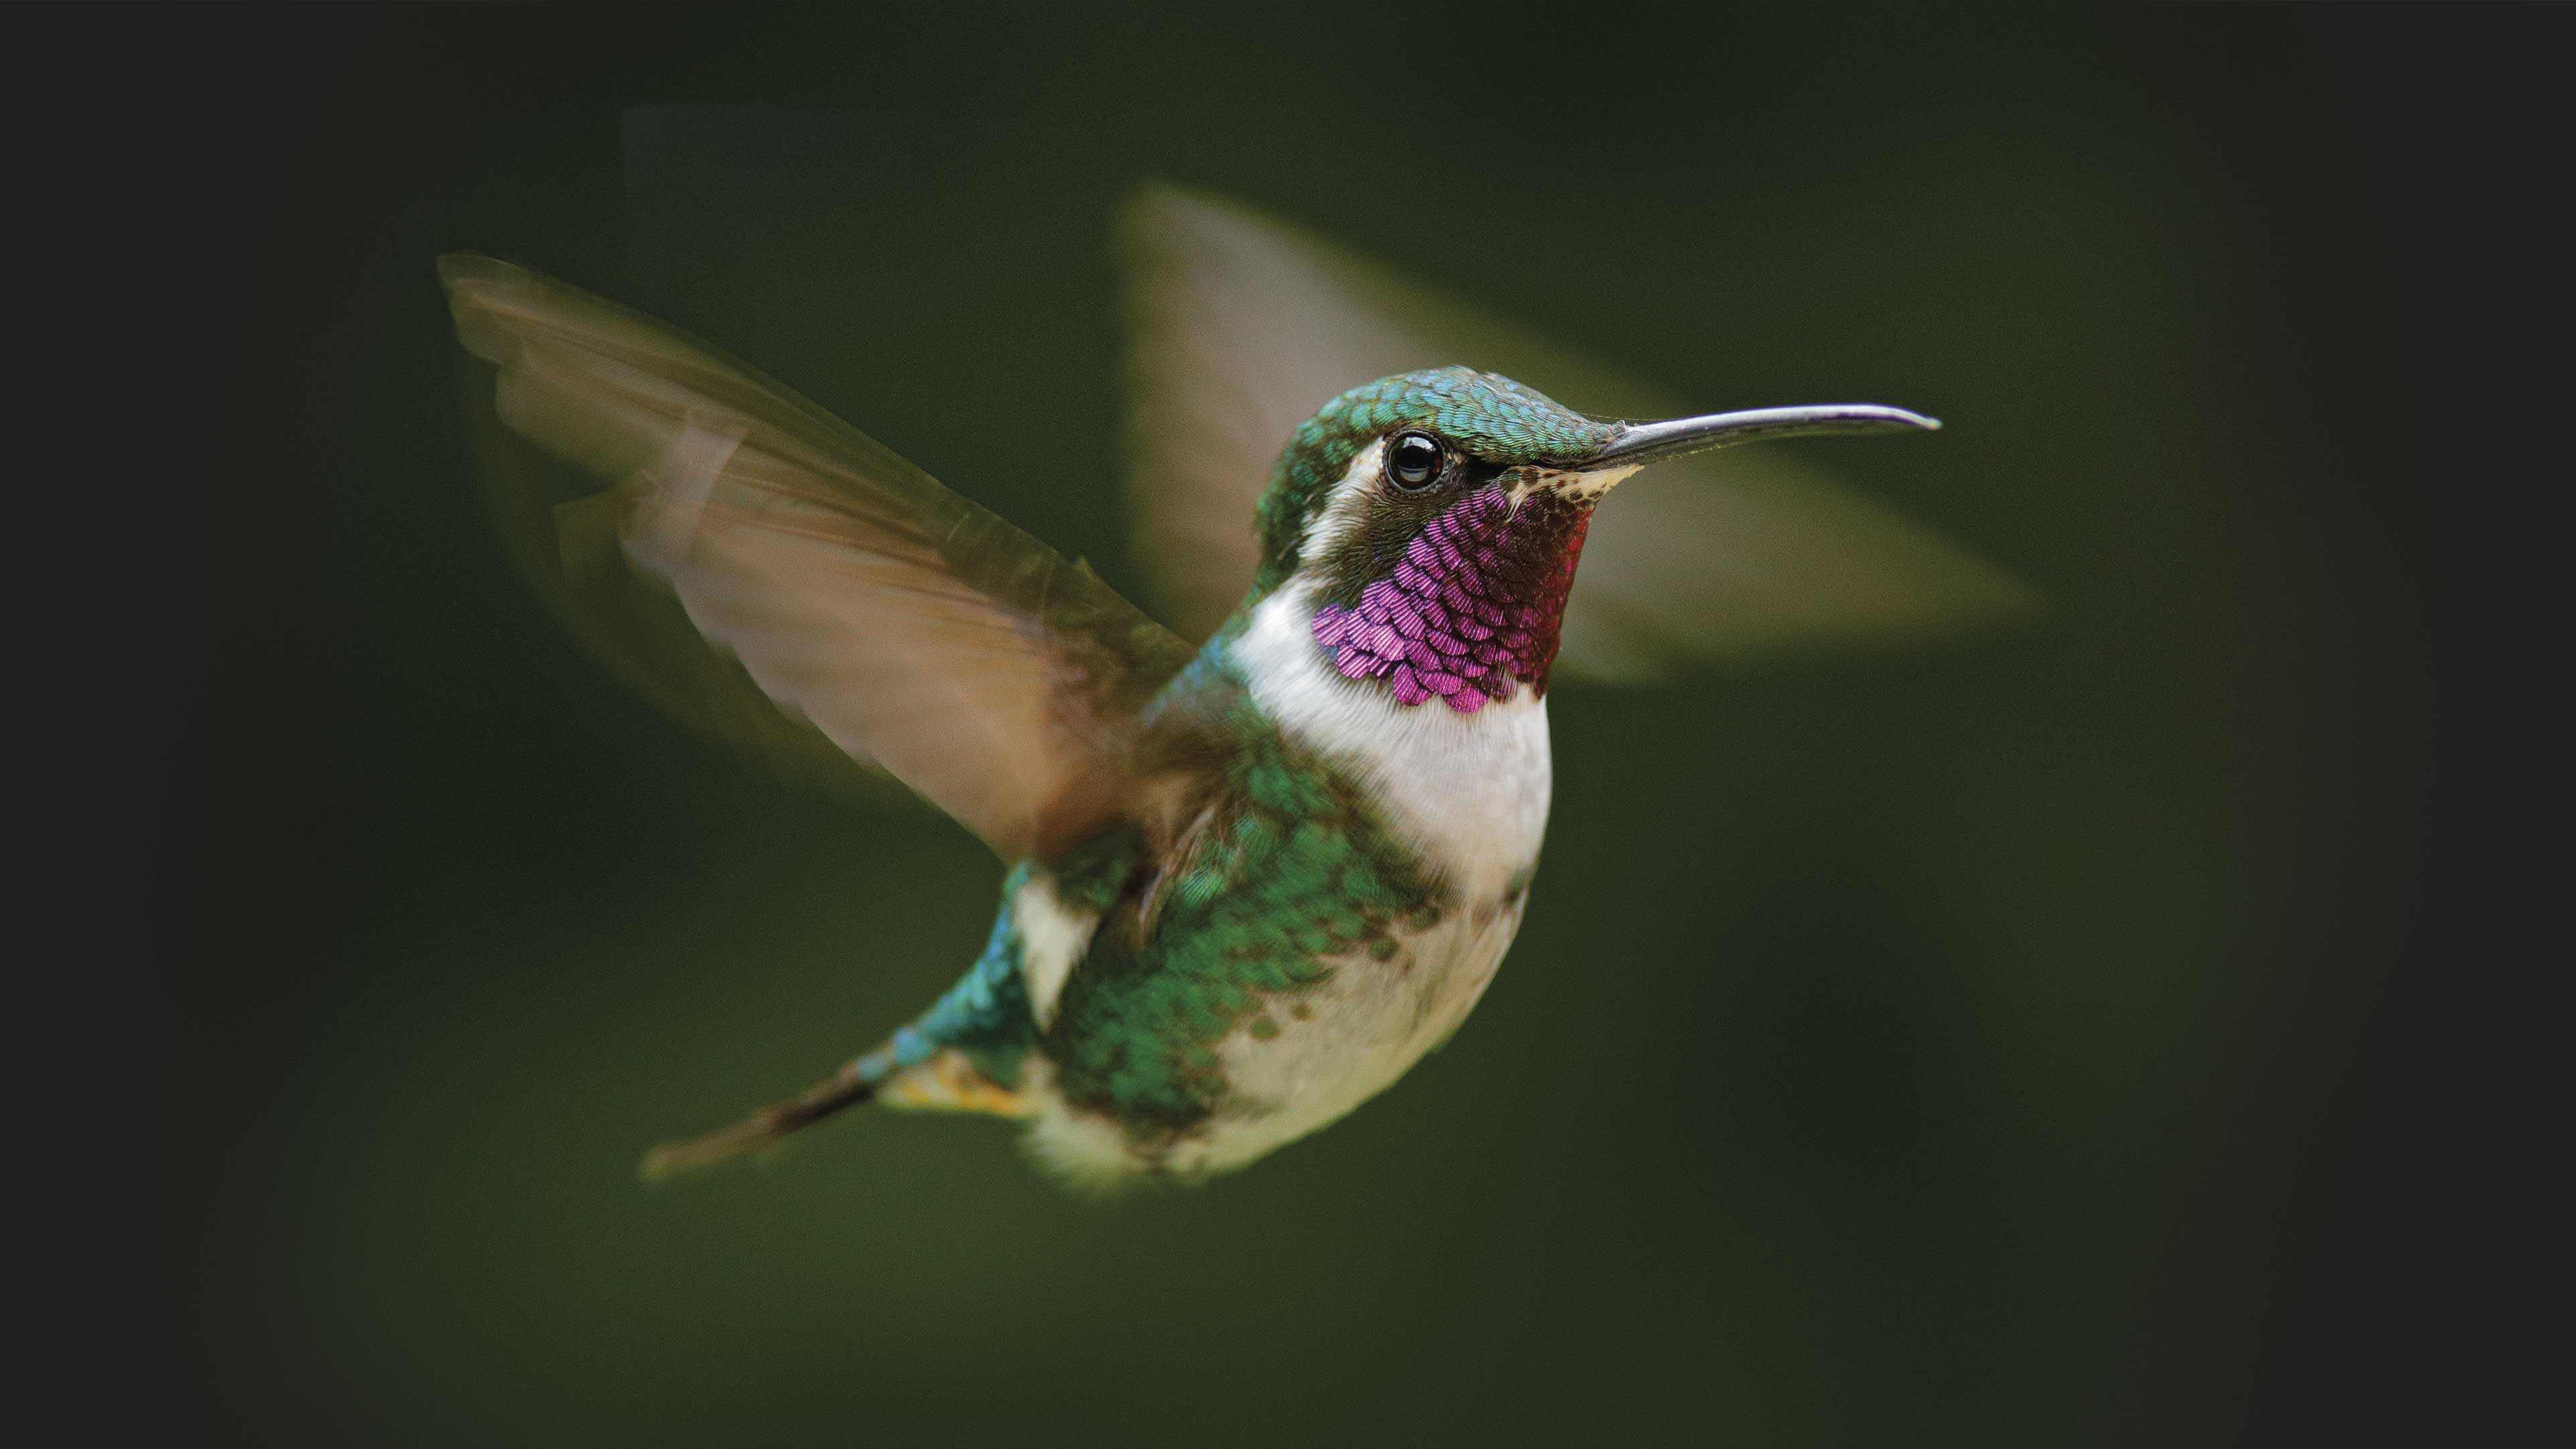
<point>1413,461</point>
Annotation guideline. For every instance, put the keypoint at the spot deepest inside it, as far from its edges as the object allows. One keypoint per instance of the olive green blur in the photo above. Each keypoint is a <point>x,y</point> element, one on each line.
<point>1929,1050</point>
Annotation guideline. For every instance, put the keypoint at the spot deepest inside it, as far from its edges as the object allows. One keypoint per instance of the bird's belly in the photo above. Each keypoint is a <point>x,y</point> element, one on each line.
<point>1315,1054</point>
<point>1466,796</point>
<point>1470,797</point>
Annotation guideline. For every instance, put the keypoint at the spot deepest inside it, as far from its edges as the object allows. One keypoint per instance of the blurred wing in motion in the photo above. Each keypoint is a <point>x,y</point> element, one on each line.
<point>779,579</point>
<point>1240,326</point>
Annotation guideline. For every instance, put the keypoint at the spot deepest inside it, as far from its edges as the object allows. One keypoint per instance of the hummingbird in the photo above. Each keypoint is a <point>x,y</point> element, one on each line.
<point>1263,857</point>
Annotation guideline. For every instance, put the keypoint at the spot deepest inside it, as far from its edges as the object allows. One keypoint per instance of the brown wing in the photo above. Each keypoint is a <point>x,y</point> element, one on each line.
<point>1240,325</point>
<point>759,541</point>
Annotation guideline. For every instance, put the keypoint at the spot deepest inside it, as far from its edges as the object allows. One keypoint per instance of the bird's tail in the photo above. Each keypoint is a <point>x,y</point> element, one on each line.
<point>848,1087</point>
<point>910,1071</point>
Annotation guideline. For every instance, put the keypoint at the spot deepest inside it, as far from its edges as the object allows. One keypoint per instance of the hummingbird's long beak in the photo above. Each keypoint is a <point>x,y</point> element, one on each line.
<point>1640,443</point>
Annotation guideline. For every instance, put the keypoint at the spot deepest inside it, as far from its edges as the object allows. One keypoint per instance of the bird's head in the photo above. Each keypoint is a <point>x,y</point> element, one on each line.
<point>1431,521</point>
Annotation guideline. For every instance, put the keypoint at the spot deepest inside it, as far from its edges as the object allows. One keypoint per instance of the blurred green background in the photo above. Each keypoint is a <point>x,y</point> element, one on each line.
<point>1933,1050</point>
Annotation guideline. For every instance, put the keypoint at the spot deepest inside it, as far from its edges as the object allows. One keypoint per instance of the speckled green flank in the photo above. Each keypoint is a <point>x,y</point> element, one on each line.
<point>1295,872</point>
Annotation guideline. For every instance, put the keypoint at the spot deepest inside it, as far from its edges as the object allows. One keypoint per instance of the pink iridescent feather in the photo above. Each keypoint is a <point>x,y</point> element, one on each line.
<point>1473,606</point>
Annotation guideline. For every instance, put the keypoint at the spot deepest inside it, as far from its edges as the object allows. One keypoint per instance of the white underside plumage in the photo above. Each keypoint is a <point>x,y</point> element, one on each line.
<point>1468,792</point>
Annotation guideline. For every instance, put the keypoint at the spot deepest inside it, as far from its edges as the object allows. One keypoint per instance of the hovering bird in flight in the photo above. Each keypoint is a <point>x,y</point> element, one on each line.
<point>1263,854</point>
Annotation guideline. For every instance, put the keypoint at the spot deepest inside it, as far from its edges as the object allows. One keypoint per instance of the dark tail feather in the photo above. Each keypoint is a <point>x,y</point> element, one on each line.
<point>847,1087</point>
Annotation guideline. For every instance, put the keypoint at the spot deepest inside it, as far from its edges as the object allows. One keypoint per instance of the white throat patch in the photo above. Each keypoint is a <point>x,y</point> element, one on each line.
<point>1469,791</point>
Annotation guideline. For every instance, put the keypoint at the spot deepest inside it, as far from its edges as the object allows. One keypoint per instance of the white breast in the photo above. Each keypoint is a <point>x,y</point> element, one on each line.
<point>1469,791</point>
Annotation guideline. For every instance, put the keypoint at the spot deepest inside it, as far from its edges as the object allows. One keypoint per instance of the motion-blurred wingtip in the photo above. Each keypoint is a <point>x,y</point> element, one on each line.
<point>459,268</point>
